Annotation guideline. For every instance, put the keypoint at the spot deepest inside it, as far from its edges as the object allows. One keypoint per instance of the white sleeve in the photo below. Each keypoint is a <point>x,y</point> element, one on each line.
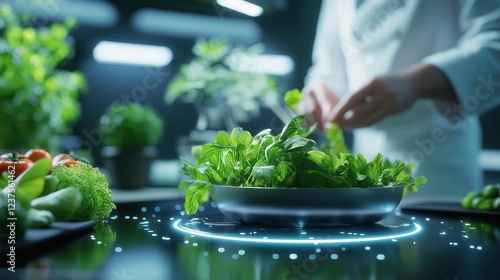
<point>328,64</point>
<point>473,66</point>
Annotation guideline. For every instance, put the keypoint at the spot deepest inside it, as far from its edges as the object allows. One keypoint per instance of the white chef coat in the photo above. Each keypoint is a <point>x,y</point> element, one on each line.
<point>358,40</point>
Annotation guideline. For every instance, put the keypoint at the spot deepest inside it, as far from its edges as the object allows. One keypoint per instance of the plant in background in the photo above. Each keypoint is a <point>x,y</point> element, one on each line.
<point>131,125</point>
<point>220,73</point>
<point>37,99</point>
<point>130,134</point>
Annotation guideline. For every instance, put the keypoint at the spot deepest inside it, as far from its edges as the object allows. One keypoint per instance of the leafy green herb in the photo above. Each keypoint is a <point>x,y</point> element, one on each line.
<point>292,98</point>
<point>286,160</point>
<point>131,125</point>
<point>38,97</point>
<point>97,202</point>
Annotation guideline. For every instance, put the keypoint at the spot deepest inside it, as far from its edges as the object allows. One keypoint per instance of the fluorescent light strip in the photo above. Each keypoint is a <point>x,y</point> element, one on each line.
<point>242,6</point>
<point>279,65</point>
<point>350,239</point>
<point>132,54</point>
<point>193,26</point>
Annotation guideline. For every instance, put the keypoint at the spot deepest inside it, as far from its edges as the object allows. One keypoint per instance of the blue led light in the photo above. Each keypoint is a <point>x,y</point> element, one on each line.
<point>243,238</point>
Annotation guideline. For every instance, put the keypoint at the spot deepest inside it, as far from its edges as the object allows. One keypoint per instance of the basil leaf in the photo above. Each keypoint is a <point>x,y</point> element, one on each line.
<point>293,98</point>
<point>298,143</point>
<point>197,194</point>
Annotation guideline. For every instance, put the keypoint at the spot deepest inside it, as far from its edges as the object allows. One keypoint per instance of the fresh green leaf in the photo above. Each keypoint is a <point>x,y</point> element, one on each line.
<point>335,138</point>
<point>222,138</point>
<point>293,98</point>
<point>289,130</point>
<point>31,182</point>
<point>197,194</point>
<point>298,143</point>
<point>263,175</point>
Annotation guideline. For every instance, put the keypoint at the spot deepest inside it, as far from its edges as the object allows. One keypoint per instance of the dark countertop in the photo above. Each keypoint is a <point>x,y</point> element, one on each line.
<point>140,242</point>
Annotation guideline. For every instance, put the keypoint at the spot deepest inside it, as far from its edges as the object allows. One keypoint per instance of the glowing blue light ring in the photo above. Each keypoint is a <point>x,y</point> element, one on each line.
<point>178,227</point>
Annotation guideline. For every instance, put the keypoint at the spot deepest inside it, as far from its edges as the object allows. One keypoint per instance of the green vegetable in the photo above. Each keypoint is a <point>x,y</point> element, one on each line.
<point>490,191</point>
<point>488,199</point>
<point>62,203</point>
<point>485,204</point>
<point>31,182</point>
<point>39,218</point>
<point>467,200</point>
<point>97,202</point>
<point>496,204</point>
<point>476,201</point>
<point>286,160</point>
<point>50,185</point>
<point>293,98</point>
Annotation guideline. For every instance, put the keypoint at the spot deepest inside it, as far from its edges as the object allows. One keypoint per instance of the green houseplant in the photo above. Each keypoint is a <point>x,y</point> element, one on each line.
<point>130,132</point>
<point>223,84</point>
<point>38,100</point>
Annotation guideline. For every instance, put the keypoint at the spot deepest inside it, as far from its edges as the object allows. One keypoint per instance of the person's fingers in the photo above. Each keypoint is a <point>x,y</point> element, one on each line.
<point>367,110</point>
<point>316,104</point>
<point>364,115</point>
<point>318,113</point>
<point>306,107</point>
<point>347,104</point>
<point>324,100</point>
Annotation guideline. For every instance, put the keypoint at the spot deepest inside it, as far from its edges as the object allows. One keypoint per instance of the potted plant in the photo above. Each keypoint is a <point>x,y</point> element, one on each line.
<point>223,84</point>
<point>224,87</point>
<point>38,100</point>
<point>130,132</point>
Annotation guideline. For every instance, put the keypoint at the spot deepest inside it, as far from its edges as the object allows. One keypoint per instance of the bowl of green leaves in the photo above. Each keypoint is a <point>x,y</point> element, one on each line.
<point>287,180</point>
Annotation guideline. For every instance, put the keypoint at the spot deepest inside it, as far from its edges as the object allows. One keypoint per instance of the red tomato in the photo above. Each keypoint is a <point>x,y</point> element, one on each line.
<point>37,153</point>
<point>15,167</point>
<point>7,155</point>
<point>60,157</point>
<point>68,162</point>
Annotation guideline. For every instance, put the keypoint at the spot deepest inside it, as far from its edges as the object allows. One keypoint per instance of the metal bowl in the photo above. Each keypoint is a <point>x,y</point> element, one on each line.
<point>306,207</point>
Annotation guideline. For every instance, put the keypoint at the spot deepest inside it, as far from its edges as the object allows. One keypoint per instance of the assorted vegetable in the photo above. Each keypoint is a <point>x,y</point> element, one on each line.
<point>286,160</point>
<point>44,189</point>
<point>488,199</point>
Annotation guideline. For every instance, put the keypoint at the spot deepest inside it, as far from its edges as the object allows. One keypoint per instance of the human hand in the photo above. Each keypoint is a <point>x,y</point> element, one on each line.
<point>317,104</point>
<point>383,96</point>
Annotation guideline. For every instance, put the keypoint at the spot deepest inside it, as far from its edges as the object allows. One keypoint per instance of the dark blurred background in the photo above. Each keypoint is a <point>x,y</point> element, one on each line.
<point>286,27</point>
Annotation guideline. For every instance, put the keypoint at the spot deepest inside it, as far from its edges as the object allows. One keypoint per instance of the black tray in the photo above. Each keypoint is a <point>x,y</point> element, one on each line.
<point>37,242</point>
<point>453,208</point>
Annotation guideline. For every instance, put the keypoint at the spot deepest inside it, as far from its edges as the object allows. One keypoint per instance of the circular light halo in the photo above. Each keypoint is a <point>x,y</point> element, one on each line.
<point>350,239</point>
